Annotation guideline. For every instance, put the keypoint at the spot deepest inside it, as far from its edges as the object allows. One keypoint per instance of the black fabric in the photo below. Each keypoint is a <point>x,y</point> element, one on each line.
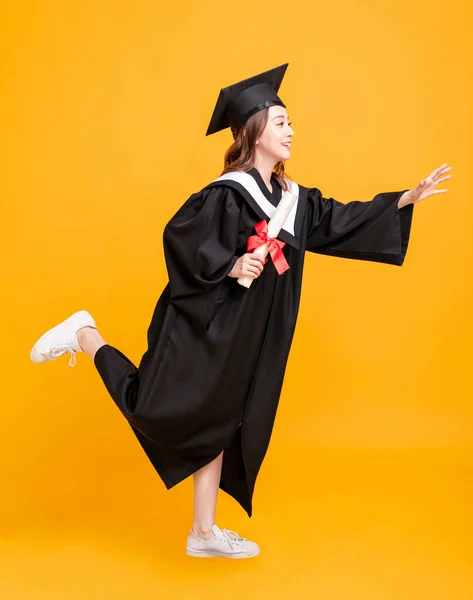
<point>211,377</point>
<point>274,198</point>
<point>360,230</point>
<point>238,102</point>
<point>251,101</point>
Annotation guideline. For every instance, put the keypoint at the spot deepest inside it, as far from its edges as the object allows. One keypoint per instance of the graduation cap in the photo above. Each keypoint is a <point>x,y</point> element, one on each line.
<point>238,102</point>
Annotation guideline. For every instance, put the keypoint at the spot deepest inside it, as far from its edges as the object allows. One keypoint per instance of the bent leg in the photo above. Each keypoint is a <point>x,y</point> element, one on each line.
<point>90,340</point>
<point>119,375</point>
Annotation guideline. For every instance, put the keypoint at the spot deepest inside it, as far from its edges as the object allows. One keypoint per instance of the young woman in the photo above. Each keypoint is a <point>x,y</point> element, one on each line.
<point>204,398</point>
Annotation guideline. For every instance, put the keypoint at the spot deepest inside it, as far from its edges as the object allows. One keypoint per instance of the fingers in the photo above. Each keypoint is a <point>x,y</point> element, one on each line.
<point>440,170</point>
<point>257,265</point>
<point>251,272</point>
<point>251,265</point>
<point>255,260</point>
<point>433,180</point>
<point>437,170</point>
<point>257,257</point>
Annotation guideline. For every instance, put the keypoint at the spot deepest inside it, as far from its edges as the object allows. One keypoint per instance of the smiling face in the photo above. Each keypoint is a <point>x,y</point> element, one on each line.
<point>275,141</point>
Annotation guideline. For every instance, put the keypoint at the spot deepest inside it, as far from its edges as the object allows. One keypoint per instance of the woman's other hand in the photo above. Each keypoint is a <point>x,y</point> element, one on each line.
<point>426,187</point>
<point>249,265</point>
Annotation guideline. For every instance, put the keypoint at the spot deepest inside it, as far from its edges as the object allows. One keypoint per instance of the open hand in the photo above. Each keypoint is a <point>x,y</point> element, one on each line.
<point>426,187</point>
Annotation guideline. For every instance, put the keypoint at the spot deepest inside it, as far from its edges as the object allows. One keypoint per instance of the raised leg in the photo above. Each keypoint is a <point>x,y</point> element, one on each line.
<point>90,340</point>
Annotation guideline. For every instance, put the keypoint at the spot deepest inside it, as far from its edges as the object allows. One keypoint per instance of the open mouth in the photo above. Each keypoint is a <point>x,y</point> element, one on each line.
<point>287,145</point>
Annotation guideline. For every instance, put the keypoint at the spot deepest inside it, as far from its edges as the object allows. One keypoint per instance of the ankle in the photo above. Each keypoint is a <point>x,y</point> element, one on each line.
<point>89,340</point>
<point>202,531</point>
<point>84,333</point>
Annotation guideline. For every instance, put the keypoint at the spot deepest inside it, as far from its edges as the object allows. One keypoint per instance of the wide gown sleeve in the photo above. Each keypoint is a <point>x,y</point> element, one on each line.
<point>376,230</point>
<point>200,244</point>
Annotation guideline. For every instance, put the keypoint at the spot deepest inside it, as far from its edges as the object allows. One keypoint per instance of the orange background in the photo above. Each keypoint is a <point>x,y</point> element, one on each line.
<point>366,490</point>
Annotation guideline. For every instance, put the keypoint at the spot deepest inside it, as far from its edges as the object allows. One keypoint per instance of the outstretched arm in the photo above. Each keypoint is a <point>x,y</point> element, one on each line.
<point>377,230</point>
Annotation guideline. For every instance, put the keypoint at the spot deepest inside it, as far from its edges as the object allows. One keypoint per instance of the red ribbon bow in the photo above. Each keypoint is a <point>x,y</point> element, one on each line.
<point>275,246</point>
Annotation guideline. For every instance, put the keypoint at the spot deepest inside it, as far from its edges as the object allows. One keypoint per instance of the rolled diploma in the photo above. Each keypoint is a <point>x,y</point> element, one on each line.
<point>274,227</point>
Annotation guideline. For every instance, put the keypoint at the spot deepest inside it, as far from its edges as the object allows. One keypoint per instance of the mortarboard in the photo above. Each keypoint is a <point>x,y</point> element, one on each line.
<point>238,102</point>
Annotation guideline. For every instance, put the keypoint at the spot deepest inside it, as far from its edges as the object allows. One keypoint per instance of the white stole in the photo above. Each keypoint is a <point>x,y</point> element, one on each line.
<point>249,183</point>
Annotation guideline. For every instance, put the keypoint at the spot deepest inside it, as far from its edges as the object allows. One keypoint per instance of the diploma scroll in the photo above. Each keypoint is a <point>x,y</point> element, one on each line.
<point>274,227</point>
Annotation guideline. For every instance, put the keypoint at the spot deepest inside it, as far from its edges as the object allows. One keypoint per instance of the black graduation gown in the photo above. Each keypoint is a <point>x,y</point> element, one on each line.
<point>217,352</point>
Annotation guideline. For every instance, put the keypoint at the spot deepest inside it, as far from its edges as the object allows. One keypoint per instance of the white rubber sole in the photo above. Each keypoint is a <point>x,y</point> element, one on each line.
<point>213,554</point>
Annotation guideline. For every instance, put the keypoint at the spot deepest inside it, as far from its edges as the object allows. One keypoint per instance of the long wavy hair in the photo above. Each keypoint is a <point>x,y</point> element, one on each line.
<point>241,154</point>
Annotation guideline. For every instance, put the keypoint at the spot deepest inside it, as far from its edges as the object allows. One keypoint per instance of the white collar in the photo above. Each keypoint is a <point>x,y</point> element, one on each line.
<point>251,186</point>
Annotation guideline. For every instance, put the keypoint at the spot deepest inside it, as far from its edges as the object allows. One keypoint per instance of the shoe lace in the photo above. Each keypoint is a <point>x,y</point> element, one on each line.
<point>60,350</point>
<point>233,538</point>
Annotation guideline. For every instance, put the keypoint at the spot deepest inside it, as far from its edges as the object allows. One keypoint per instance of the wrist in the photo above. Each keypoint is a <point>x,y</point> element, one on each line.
<point>404,200</point>
<point>234,267</point>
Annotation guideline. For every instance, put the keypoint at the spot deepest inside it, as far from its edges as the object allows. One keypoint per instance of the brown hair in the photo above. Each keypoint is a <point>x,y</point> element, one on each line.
<point>241,154</point>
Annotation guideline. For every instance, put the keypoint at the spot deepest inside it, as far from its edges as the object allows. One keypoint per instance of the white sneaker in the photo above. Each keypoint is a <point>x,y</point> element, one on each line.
<point>222,543</point>
<point>62,339</point>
